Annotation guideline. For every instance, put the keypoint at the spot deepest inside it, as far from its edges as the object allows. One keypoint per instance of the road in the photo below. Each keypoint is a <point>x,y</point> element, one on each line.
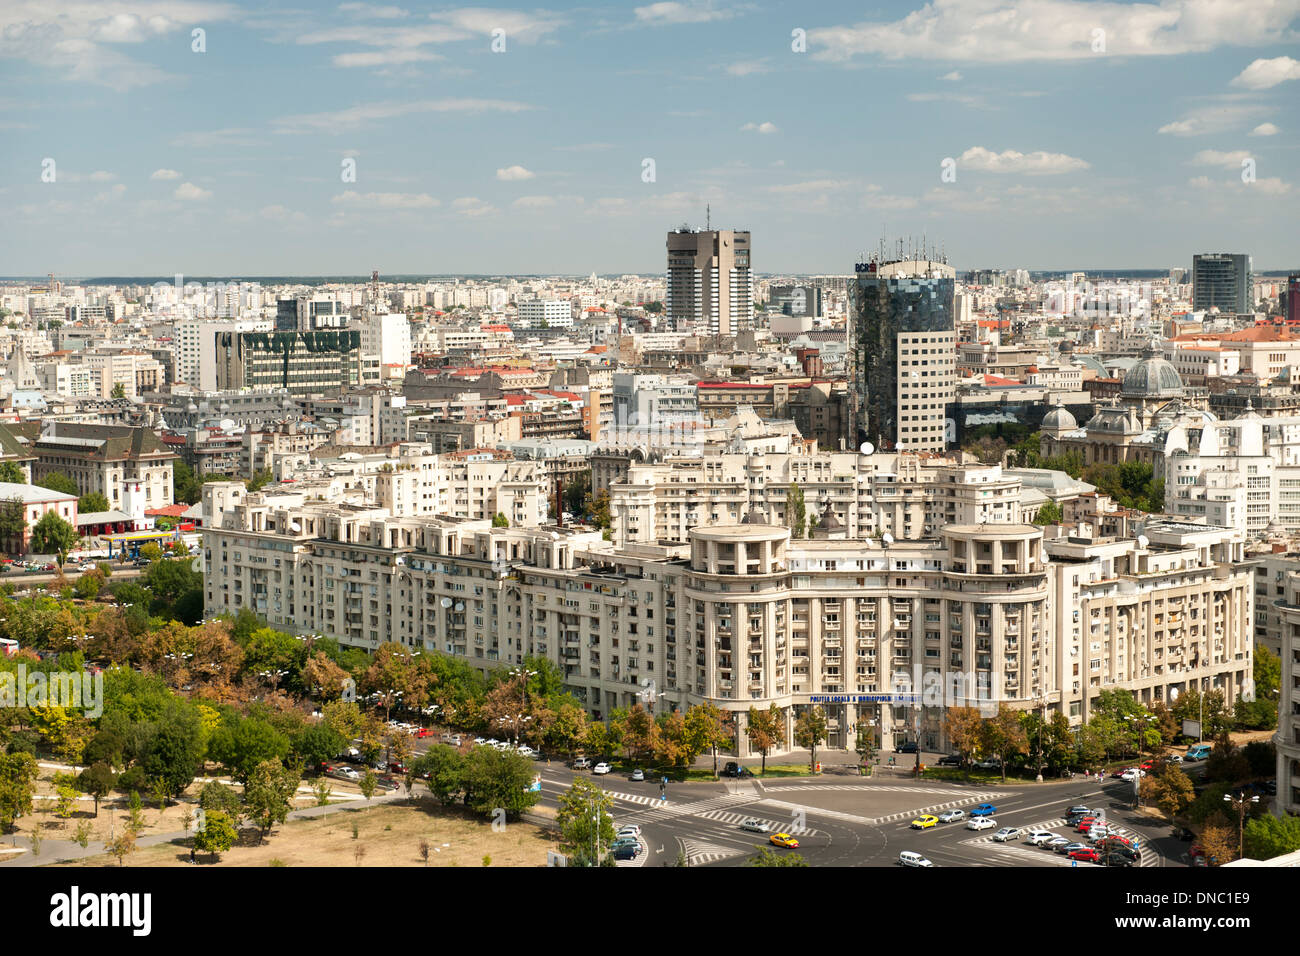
<point>848,821</point>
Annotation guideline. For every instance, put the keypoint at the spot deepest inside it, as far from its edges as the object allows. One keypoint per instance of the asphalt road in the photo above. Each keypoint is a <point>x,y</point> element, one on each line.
<point>846,821</point>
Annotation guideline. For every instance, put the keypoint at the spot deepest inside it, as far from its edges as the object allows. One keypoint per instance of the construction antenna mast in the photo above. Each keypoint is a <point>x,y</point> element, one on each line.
<point>374,291</point>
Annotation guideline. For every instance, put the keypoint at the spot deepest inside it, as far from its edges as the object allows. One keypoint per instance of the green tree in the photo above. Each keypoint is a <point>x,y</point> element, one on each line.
<point>1049,513</point>
<point>53,535</point>
<point>269,793</point>
<point>259,480</point>
<point>1003,736</point>
<point>92,502</point>
<point>495,779</point>
<point>13,523</point>
<point>218,796</point>
<point>17,786</point>
<point>240,748</point>
<point>796,515</point>
<point>766,857</point>
<point>706,728</point>
<point>1268,836</point>
<point>98,781</point>
<point>218,834</point>
<point>864,744</point>
<point>766,730</point>
<point>119,390</point>
<point>586,822</point>
<point>12,473</point>
<point>810,732</point>
<point>369,784</point>
<point>58,481</point>
<point>442,769</point>
<point>173,757</point>
<point>315,745</point>
<point>500,521</point>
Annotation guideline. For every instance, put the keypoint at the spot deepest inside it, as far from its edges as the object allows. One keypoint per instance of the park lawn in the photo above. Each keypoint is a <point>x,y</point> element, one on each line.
<point>785,770</point>
<point>389,834</point>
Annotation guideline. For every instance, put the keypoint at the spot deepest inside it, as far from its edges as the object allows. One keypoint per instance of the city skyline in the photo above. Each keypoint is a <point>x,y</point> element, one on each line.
<point>483,145</point>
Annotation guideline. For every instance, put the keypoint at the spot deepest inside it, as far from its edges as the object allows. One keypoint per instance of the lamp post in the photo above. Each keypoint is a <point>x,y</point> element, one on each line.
<point>1239,802</point>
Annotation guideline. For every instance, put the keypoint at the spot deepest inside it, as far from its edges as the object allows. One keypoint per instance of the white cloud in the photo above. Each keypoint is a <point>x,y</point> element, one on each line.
<point>1265,74</point>
<point>764,128</point>
<point>101,176</point>
<point>351,197</point>
<point>472,206</point>
<point>1213,157</point>
<point>517,24</point>
<point>534,202</point>
<point>383,58</point>
<point>1222,114</point>
<point>188,191</point>
<point>115,192</point>
<point>161,174</point>
<point>808,186</point>
<point>216,138</point>
<point>1268,186</point>
<point>585,147</point>
<point>1010,161</point>
<point>1001,31</point>
<point>378,13</point>
<point>746,67</point>
<point>338,121</point>
<point>692,11</point>
<point>277,213</point>
<point>1264,129</point>
<point>514,174</point>
<point>954,76</point>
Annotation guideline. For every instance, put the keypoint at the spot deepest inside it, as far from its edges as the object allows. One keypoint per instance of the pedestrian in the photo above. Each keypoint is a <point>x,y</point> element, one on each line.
<point>191,854</point>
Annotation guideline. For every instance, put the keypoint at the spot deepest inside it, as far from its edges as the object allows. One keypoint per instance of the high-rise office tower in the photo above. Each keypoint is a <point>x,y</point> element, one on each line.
<point>710,288</point>
<point>1291,298</point>
<point>902,352</point>
<point>1221,280</point>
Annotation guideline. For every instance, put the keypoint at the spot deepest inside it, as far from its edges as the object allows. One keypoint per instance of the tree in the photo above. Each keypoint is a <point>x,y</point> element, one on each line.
<point>1220,844</point>
<point>1004,736</point>
<point>442,769</point>
<point>17,785</point>
<point>1268,836</point>
<point>766,857</point>
<point>259,480</point>
<point>218,796</point>
<point>795,511</point>
<point>810,731</point>
<point>242,747</point>
<point>586,823</point>
<point>1226,763</point>
<point>865,744</point>
<point>500,521</point>
<point>639,733</point>
<point>13,523</point>
<point>1049,513</point>
<point>58,481</point>
<point>53,535</point>
<point>369,784</point>
<point>962,726</point>
<point>1171,791</point>
<point>706,728</point>
<point>119,390</point>
<point>92,502</point>
<point>218,834</point>
<point>495,779</point>
<point>269,793</point>
<point>98,781</point>
<point>173,757</point>
<point>315,745</point>
<point>123,845</point>
<point>766,730</point>
<point>12,473</point>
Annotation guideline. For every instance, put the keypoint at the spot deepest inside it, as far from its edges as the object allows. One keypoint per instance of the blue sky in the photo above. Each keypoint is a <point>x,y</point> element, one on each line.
<point>1082,134</point>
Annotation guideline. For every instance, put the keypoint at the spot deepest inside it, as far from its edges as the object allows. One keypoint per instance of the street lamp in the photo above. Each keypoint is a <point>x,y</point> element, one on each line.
<point>1239,802</point>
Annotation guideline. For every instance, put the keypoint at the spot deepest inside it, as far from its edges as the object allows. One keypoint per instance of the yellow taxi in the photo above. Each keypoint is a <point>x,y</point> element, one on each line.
<point>785,840</point>
<point>925,822</point>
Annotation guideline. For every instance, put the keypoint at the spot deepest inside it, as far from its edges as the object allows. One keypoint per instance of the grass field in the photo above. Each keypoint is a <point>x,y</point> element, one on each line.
<point>387,835</point>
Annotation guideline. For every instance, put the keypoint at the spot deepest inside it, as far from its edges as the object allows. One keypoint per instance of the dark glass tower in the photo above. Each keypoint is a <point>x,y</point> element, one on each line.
<point>1221,280</point>
<point>902,353</point>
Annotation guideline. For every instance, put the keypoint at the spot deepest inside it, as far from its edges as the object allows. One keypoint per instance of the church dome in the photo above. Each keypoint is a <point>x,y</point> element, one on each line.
<point>1152,377</point>
<point>1059,418</point>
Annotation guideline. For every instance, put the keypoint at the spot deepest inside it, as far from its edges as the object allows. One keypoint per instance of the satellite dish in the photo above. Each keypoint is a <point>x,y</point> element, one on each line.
<point>867,448</point>
<point>887,538</point>
<point>446,602</point>
<point>460,605</point>
<point>1173,693</point>
<point>295,527</point>
<point>1143,541</point>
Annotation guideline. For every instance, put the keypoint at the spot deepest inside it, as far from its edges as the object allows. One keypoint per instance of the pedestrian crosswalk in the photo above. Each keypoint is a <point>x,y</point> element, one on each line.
<point>655,810</point>
<point>773,826</point>
<point>699,853</point>
<point>1060,827</point>
<point>937,808</point>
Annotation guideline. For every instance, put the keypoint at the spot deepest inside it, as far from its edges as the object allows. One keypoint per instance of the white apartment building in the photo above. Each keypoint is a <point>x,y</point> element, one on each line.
<point>65,378</point>
<point>655,401</point>
<point>1287,738</point>
<point>545,314</point>
<point>195,347</point>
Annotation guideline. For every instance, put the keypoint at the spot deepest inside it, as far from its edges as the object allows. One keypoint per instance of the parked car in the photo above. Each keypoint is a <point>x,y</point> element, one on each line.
<point>1117,859</point>
<point>1006,834</point>
<point>984,810</point>
<point>1041,837</point>
<point>1070,848</point>
<point>601,768</point>
<point>624,841</point>
<point>629,851</point>
<point>753,825</point>
<point>988,763</point>
<point>951,760</point>
<point>1086,853</point>
<point>581,763</point>
<point>908,748</point>
<point>908,858</point>
<point>638,775</point>
<point>785,840</point>
<point>630,830</point>
<point>1058,844</point>
<point>1079,810</point>
<point>925,822</point>
<point>1173,758</point>
<point>733,769</point>
<point>981,823</point>
<point>952,816</point>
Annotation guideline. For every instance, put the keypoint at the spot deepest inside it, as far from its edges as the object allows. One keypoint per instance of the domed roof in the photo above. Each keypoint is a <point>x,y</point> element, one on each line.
<point>1060,418</point>
<point>1152,377</point>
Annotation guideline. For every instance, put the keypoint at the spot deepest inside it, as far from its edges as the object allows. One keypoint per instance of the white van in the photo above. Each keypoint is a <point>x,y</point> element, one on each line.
<point>908,858</point>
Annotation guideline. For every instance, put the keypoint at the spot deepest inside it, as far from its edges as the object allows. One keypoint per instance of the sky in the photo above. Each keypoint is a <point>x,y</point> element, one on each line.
<point>206,138</point>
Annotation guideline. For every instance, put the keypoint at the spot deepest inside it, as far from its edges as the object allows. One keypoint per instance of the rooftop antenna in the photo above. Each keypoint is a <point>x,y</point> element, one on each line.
<point>708,218</point>
<point>374,291</point>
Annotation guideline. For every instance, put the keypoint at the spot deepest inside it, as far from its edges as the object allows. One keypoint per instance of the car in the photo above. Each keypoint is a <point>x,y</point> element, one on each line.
<point>735,770</point>
<point>1058,844</point>
<point>753,825</point>
<point>984,810</point>
<point>1078,810</point>
<point>629,830</point>
<point>581,763</point>
<point>1071,847</point>
<point>981,823</point>
<point>908,858</point>
<point>907,748</point>
<point>1147,765</point>
<point>601,768</point>
<point>629,851</point>
<point>1120,773</point>
<point>1117,859</point>
<point>952,816</point>
<point>925,822</point>
<point>951,760</point>
<point>1085,853</point>
<point>1126,850</point>
<point>1199,752</point>
<point>1133,773</point>
<point>988,763</point>
<point>526,751</point>
<point>1097,834</point>
<point>638,775</point>
<point>1041,837</point>
<point>1174,758</point>
<point>423,732</point>
<point>1006,834</point>
<point>1184,834</point>
<point>785,840</point>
